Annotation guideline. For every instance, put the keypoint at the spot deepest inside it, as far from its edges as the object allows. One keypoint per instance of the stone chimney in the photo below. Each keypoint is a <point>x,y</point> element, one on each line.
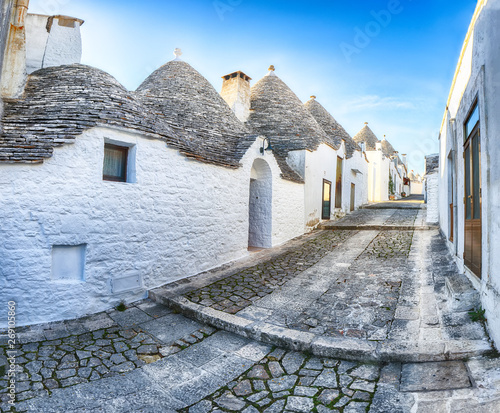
<point>52,41</point>
<point>362,145</point>
<point>236,93</point>
<point>378,146</point>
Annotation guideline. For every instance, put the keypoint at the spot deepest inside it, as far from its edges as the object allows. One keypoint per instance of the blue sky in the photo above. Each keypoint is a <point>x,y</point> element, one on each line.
<point>389,62</point>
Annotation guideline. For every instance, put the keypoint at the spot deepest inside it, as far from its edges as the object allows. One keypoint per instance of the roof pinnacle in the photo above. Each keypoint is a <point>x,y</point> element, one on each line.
<point>177,53</point>
<point>271,71</point>
<point>313,97</point>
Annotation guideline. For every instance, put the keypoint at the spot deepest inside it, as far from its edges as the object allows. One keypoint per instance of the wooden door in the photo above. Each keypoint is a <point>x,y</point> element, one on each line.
<point>353,197</point>
<point>338,184</point>
<point>327,199</point>
<point>472,199</point>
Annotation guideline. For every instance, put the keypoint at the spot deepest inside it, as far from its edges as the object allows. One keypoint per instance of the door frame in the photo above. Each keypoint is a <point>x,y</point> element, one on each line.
<point>472,226</point>
<point>338,182</point>
<point>353,196</point>
<point>326,181</point>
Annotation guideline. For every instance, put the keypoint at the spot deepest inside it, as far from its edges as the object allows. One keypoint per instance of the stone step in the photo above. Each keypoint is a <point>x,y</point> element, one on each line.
<point>369,227</point>
<point>462,296</point>
<point>326,346</point>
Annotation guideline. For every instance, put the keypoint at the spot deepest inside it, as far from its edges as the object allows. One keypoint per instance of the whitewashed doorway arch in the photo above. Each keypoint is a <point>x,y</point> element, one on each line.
<point>260,215</point>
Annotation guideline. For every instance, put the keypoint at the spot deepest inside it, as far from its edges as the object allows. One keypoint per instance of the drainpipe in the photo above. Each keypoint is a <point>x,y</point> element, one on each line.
<point>14,67</point>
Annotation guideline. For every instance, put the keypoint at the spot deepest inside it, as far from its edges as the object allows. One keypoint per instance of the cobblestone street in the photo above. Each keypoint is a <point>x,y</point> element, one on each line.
<point>346,320</point>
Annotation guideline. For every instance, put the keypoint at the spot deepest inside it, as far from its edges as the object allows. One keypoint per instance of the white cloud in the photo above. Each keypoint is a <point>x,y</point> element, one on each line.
<point>377,102</point>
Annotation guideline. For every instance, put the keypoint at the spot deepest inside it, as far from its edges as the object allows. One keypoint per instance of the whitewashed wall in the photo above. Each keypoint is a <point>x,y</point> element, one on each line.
<point>378,176</point>
<point>477,76</point>
<point>360,180</point>
<point>181,217</point>
<point>320,164</point>
<point>432,189</point>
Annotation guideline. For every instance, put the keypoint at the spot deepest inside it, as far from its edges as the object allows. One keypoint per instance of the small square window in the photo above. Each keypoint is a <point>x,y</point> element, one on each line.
<point>115,163</point>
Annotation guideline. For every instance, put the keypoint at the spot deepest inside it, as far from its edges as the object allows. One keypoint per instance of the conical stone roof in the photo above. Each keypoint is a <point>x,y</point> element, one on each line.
<point>277,113</point>
<point>387,149</point>
<point>60,103</point>
<point>334,131</point>
<point>366,135</point>
<point>208,128</point>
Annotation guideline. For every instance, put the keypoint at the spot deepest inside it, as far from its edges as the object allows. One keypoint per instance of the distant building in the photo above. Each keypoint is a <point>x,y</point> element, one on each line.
<point>431,184</point>
<point>386,171</point>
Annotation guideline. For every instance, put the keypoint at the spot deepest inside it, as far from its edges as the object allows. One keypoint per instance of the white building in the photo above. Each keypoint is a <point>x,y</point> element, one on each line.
<point>386,171</point>
<point>431,183</point>
<point>107,193</point>
<point>469,171</point>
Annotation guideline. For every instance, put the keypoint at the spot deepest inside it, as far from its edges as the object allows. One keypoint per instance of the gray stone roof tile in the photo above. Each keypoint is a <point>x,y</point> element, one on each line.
<point>387,149</point>
<point>334,131</point>
<point>62,102</point>
<point>431,164</point>
<point>277,113</point>
<point>366,135</point>
<point>184,99</point>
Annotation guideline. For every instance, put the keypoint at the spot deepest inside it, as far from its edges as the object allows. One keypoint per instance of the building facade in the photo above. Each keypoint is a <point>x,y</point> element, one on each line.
<point>107,193</point>
<point>469,173</point>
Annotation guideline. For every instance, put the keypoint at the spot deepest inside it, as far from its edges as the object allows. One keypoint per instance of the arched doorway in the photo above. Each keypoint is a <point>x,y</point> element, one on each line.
<point>260,205</point>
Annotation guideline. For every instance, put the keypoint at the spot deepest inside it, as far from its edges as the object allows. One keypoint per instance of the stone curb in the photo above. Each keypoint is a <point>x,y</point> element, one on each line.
<point>378,227</point>
<point>394,206</point>
<point>325,346</point>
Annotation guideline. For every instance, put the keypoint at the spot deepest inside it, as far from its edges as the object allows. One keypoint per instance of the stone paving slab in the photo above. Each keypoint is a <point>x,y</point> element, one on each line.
<point>96,349</point>
<point>373,295</point>
<point>361,323</point>
<point>385,219</point>
<point>476,388</point>
<point>219,371</point>
<point>446,375</point>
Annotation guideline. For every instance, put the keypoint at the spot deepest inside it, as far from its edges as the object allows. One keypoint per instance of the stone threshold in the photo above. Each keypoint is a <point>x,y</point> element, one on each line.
<point>325,346</point>
<point>395,205</point>
<point>377,227</point>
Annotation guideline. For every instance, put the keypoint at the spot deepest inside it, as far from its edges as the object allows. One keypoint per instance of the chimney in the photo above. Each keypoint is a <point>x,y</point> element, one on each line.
<point>363,146</point>
<point>404,160</point>
<point>52,41</point>
<point>14,65</point>
<point>378,146</point>
<point>236,93</point>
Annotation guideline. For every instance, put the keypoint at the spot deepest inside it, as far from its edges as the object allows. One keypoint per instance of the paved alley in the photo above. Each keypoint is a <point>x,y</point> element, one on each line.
<point>368,314</point>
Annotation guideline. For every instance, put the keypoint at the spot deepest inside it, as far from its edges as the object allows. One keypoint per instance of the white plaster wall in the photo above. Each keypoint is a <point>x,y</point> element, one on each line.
<point>433,198</point>
<point>181,217</point>
<point>417,188</point>
<point>378,176</point>
<point>320,164</point>
<point>477,77</point>
<point>357,161</point>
